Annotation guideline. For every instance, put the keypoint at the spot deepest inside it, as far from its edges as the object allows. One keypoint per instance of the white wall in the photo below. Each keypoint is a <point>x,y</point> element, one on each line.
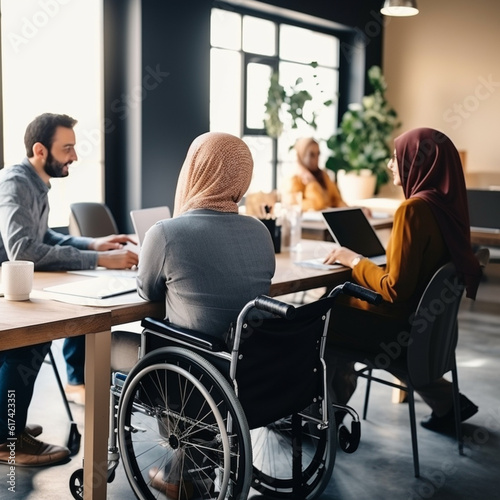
<point>52,62</point>
<point>443,71</point>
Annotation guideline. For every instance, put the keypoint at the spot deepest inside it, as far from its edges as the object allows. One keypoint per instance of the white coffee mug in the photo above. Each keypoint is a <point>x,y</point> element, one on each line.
<point>17,279</point>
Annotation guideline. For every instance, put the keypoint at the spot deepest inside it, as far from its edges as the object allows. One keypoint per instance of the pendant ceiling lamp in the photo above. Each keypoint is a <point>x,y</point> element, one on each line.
<point>399,8</point>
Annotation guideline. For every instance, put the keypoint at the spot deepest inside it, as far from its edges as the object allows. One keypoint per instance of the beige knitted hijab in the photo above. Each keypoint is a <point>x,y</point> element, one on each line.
<point>301,146</point>
<point>215,175</point>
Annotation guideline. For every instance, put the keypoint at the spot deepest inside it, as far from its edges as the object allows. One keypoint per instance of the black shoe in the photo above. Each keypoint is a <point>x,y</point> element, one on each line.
<point>446,423</point>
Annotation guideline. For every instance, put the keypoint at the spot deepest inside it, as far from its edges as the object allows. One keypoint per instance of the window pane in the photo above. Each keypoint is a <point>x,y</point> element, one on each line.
<point>299,47</point>
<point>302,45</point>
<point>259,36</point>
<point>225,29</point>
<point>258,77</point>
<point>31,36</point>
<point>262,151</point>
<point>225,91</point>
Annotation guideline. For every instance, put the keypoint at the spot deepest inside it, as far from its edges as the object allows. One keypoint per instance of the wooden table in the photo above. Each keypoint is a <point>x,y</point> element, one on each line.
<point>291,278</point>
<point>37,320</point>
<point>317,230</point>
<point>485,238</point>
<point>42,320</point>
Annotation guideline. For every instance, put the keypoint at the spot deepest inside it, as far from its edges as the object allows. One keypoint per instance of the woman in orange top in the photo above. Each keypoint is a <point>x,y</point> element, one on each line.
<point>318,190</point>
<point>431,227</point>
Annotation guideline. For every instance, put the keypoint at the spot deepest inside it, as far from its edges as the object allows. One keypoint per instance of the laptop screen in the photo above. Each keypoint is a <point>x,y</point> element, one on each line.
<point>144,218</point>
<point>350,228</point>
<point>484,208</point>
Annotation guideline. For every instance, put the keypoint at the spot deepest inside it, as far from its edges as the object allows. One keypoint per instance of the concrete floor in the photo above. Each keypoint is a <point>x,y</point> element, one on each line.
<point>382,467</point>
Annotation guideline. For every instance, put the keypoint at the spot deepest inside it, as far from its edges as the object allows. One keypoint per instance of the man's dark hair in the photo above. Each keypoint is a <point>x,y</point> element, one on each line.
<point>43,128</point>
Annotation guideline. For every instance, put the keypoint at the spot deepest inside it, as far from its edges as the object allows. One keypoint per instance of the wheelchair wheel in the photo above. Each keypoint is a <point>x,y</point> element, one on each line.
<point>76,484</point>
<point>181,429</point>
<point>293,457</point>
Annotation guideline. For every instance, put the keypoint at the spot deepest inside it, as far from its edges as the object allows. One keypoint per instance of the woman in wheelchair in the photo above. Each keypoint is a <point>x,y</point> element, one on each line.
<point>207,261</point>
<point>431,227</point>
<point>229,392</point>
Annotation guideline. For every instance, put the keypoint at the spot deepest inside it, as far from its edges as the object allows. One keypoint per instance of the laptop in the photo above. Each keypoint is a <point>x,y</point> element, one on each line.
<point>101,287</point>
<point>350,228</point>
<point>144,218</point>
<point>484,210</point>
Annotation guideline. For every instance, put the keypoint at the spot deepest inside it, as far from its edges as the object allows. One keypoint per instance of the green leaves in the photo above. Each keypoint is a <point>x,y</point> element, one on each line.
<point>276,96</point>
<point>281,102</point>
<point>362,140</point>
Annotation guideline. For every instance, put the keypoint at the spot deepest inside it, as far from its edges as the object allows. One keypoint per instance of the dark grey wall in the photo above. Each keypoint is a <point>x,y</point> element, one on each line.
<point>177,42</point>
<point>174,76</point>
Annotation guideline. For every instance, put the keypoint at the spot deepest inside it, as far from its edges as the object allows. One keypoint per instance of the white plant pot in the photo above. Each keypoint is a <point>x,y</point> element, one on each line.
<point>355,186</point>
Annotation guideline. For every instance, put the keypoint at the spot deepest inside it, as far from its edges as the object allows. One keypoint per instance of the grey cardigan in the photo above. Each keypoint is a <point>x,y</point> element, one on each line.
<point>206,265</point>
<point>24,231</point>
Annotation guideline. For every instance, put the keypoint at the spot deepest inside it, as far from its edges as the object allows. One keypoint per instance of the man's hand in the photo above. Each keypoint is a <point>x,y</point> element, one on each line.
<point>111,242</point>
<point>117,259</point>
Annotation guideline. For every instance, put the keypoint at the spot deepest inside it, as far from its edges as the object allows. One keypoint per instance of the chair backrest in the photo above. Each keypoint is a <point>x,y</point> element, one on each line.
<point>434,330</point>
<point>91,219</point>
<point>279,369</point>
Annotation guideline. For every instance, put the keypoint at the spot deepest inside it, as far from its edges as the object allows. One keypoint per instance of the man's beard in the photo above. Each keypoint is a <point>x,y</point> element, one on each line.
<point>54,168</point>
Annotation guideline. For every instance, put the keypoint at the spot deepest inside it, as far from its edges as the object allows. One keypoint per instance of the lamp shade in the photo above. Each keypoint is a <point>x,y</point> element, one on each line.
<point>399,8</point>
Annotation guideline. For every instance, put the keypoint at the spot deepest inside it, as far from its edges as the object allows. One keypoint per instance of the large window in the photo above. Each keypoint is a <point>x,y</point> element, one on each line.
<point>245,51</point>
<point>52,62</point>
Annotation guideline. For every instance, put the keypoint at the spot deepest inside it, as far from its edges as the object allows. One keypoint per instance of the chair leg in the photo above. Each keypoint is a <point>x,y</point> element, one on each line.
<point>367,393</point>
<point>74,437</point>
<point>413,427</point>
<point>60,385</point>
<point>456,406</point>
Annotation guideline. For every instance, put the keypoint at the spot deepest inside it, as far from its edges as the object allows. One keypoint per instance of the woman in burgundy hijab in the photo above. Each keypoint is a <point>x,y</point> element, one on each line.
<point>431,227</point>
<point>431,170</point>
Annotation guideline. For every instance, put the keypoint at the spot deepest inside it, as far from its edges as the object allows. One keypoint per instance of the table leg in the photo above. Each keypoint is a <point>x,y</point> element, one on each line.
<point>399,396</point>
<point>97,386</point>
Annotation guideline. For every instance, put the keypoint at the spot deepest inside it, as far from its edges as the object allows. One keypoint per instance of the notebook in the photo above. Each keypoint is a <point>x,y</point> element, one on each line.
<point>102,287</point>
<point>144,218</point>
<point>350,228</point>
<point>484,210</point>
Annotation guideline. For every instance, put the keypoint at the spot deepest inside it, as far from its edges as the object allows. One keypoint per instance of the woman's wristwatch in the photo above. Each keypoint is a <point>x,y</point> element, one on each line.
<point>356,260</point>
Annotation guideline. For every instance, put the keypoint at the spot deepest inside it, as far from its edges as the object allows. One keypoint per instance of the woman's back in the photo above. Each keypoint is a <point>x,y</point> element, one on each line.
<point>212,263</point>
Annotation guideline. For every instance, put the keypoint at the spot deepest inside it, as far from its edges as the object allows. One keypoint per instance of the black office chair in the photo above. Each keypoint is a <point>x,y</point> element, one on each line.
<point>431,347</point>
<point>91,219</point>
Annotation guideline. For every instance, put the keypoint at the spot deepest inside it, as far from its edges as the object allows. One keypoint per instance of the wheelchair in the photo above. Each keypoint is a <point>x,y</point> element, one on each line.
<point>199,417</point>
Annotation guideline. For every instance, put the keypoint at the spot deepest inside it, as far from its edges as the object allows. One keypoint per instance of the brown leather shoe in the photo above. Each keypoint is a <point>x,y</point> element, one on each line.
<point>75,393</point>
<point>171,490</point>
<point>28,451</point>
<point>33,429</point>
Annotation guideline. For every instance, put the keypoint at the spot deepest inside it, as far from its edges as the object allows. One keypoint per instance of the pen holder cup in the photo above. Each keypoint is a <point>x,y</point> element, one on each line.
<point>275,232</point>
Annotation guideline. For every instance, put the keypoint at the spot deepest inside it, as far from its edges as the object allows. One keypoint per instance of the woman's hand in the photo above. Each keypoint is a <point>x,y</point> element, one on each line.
<point>306,177</point>
<point>341,255</point>
<point>367,212</point>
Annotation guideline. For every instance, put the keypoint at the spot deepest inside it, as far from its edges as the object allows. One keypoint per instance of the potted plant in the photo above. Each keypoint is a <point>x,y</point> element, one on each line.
<point>361,144</point>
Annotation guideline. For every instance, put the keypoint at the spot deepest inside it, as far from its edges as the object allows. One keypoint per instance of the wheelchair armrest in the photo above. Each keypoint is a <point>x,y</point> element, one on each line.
<point>195,338</point>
